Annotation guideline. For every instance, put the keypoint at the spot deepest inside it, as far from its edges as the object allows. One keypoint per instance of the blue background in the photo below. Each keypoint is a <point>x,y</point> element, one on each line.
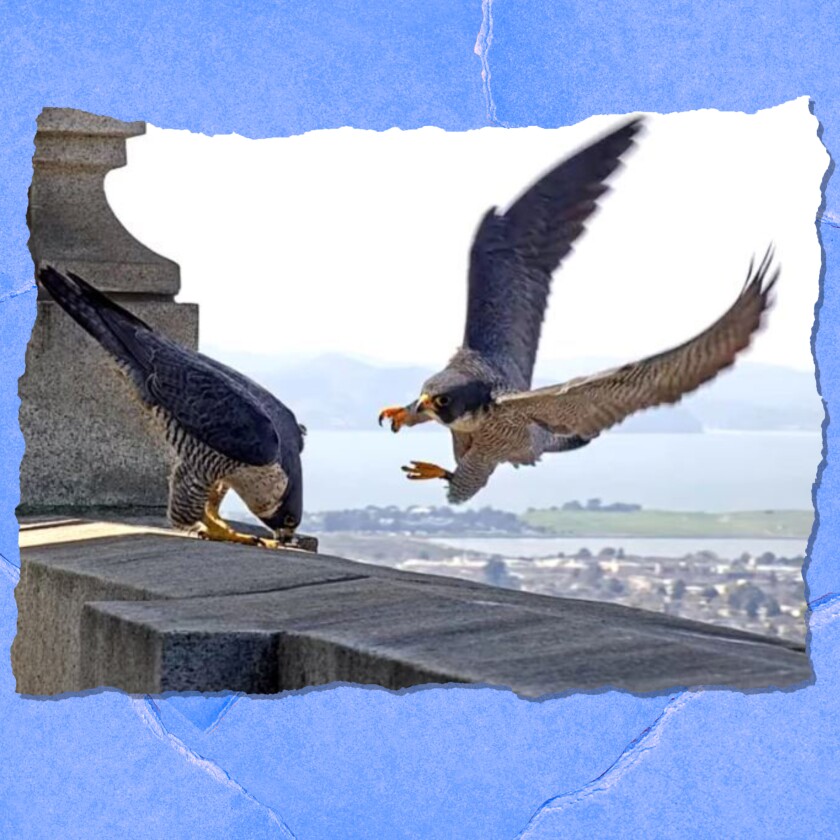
<point>456,762</point>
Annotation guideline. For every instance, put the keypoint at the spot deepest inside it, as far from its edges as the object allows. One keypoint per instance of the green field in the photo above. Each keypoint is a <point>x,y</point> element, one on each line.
<point>671,523</point>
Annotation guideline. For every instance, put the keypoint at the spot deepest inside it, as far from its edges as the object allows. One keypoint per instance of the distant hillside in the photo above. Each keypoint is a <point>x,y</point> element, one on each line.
<point>668,523</point>
<point>616,520</point>
<point>338,392</point>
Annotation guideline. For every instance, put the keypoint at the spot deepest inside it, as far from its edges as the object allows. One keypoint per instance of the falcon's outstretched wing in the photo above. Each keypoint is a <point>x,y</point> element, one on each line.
<point>204,400</point>
<point>590,404</point>
<point>514,254</point>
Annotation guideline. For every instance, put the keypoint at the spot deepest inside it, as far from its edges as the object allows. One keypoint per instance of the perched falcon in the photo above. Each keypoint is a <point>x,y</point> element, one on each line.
<point>483,395</point>
<point>226,431</point>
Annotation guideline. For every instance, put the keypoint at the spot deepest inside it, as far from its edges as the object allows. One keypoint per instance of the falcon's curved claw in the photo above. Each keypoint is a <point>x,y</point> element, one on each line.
<point>422,470</point>
<point>397,415</point>
<point>296,542</point>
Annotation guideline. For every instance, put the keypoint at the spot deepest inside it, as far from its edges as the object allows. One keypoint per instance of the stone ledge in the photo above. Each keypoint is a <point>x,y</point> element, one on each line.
<point>74,121</point>
<point>149,611</point>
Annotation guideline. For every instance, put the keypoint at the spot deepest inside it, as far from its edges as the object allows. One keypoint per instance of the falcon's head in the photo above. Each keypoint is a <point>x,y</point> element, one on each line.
<point>286,519</point>
<point>450,396</point>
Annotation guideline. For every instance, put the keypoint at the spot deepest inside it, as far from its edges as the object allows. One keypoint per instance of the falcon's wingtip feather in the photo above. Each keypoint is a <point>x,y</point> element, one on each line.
<point>633,128</point>
<point>636,123</point>
<point>757,278</point>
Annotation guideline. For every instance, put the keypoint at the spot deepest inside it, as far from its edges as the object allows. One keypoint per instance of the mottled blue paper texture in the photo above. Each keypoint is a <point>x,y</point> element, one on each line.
<point>352,762</point>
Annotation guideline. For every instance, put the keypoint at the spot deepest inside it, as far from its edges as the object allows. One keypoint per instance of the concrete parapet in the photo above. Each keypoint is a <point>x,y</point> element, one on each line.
<point>149,611</point>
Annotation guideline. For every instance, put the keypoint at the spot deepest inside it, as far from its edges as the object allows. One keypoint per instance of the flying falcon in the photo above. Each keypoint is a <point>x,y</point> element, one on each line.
<point>483,395</point>
<point>226,431</point>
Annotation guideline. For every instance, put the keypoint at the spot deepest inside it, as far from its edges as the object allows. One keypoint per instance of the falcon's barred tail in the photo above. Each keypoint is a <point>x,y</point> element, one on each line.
<point>111,325</point>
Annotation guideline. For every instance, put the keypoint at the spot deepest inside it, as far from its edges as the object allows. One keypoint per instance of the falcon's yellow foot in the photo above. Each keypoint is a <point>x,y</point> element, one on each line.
<point>421,470</point>
<point>214,527</point>
<point>398,416</point>
<point>219,531</point>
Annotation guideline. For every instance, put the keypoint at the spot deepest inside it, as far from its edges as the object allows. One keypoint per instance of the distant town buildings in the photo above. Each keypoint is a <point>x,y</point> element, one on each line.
<point>761,594</point>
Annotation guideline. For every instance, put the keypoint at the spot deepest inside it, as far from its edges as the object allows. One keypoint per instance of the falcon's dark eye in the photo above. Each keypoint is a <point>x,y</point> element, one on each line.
<point>442,401</point>
<point>289,521</point>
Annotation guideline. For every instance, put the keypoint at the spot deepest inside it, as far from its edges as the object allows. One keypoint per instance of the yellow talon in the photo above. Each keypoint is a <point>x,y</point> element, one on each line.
<point>422,470</point>
<point>219,531</point>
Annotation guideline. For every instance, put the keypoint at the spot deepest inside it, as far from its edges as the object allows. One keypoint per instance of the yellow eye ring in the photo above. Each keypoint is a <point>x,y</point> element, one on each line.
<point>442,401</point>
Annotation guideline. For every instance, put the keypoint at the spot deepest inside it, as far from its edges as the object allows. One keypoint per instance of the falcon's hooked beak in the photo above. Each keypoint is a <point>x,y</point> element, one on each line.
<point>418,411</point>
<point>425,403</point>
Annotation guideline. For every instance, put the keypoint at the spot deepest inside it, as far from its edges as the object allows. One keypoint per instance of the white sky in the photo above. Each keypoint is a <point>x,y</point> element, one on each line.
<point>357,241</point>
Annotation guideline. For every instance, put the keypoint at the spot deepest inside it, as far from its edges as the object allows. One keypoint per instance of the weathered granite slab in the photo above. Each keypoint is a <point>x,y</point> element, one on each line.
<point>58,579</point>
<point>394,633</point>
<point>152,612</point>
